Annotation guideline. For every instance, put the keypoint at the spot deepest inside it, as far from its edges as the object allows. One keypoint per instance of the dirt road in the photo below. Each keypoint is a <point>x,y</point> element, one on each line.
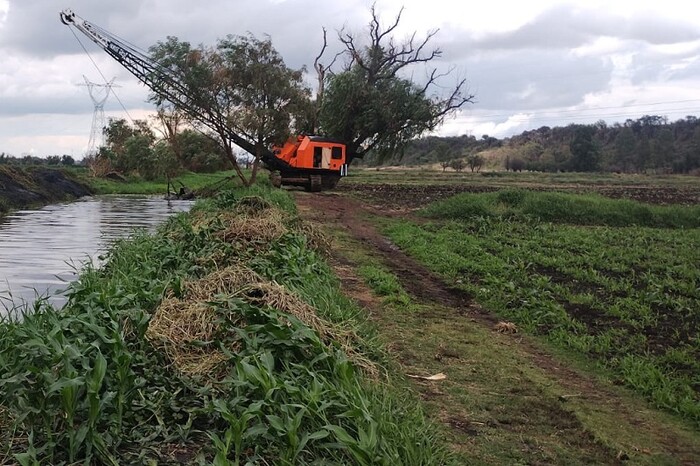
<point>507,398</point>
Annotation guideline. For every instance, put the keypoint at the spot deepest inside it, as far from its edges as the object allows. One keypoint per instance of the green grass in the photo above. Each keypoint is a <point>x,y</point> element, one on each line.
<point>84,385</point>
<point>624,296</point>
<point>564,208</point>
<point>497,405</point>
<point>194,181</point>
<point>384,284</point>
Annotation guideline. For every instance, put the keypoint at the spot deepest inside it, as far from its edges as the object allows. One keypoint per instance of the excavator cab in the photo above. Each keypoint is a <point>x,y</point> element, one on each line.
<point>314,162</point>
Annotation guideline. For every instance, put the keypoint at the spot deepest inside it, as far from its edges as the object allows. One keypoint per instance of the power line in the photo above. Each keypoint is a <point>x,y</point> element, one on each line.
<point>101,74</point>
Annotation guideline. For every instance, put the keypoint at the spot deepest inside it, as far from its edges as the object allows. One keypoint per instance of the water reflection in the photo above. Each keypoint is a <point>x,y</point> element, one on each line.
<point>40,250</point>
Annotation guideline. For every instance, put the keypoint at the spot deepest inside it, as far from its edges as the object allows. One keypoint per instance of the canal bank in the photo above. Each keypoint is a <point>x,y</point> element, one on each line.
<point>22,187</point>
<point>222,338</point>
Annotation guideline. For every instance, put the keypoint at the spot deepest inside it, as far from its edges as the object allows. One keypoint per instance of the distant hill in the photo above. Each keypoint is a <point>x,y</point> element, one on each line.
<point>648,144</point>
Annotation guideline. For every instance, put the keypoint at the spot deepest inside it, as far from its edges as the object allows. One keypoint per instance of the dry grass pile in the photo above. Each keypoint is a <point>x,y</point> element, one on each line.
<point>184,330</point>
<point>315,238</point>
<point>252,221</point>
<point>188,329</point>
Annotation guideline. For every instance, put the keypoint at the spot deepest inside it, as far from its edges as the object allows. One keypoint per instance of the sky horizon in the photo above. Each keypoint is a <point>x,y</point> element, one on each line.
<point>530,64</point>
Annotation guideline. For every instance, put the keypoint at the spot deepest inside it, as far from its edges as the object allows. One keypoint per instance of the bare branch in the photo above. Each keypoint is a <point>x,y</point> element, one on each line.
<point>377,36</point>
<point>317,64</point>
<point>349,41</point>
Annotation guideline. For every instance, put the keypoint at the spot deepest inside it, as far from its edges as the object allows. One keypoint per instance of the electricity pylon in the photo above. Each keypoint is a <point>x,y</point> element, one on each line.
<point>98,94</point>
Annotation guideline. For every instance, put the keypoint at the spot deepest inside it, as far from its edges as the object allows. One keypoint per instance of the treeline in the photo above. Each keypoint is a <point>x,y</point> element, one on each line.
<point>650,144</point>
<point>52,160</point>
<point>134,149</point>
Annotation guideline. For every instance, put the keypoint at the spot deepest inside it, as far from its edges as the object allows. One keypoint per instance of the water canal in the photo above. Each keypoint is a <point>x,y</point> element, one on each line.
<point>41,250</point>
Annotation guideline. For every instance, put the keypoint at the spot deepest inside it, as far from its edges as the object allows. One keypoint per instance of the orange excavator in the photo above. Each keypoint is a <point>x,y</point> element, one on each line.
<point>313,162</point>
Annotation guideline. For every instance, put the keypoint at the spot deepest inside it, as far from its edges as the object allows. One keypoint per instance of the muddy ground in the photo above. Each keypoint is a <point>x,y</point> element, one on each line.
<point>343,211</point>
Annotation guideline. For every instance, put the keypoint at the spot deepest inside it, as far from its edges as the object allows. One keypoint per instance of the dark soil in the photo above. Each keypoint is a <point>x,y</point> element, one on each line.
<point>25,187</point>
<point>402,196</point>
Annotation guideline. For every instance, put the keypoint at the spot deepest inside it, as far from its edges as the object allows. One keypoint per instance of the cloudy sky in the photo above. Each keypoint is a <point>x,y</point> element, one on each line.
<point>529,63</point>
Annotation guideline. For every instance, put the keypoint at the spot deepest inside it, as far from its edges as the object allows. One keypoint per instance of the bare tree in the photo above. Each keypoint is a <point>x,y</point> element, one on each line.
<point>372,106</point>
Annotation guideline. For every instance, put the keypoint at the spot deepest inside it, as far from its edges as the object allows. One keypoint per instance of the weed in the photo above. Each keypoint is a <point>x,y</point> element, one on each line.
<point>93,383</point>
<point>626,297</point>
<point>564,208</point>
<point>385,284</point>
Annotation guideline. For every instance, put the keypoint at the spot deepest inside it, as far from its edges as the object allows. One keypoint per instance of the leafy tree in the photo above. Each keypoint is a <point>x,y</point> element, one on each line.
<point>457,165</point>
<point>693,157</point>
<point>643,153</point>
<point>585,153</point>
<point>443,154</point>
<point>663,150</point>
<point>138,156</point>
<point>475,162</point>
<point>67,160</point>
<point>170,118</point>
<point>625,149</point>
<point>371,105</point>
<point>532,151</point>
<point>266,93</point>
<point>165,162</point>
<point>516,164</point>
<point>241,89</point>
<point>199,152</point>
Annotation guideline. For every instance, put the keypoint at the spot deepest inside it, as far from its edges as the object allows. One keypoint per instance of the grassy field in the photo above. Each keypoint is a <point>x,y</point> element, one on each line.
<point>422,176</point>
<point>193,181</point>
<point>507,397</point>
<point>615,281</point>
<point>223,339</point>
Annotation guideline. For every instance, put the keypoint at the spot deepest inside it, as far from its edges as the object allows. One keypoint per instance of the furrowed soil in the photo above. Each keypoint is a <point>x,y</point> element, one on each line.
<point>401,196</point>
<point>507,398</point>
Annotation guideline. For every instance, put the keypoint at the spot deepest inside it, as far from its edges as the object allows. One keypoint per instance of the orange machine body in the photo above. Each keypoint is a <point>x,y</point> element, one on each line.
<point>313,152</point>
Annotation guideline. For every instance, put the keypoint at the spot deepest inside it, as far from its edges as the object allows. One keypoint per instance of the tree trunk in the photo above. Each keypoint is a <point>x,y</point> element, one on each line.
<point>232,158</point>
<point>256,163</point>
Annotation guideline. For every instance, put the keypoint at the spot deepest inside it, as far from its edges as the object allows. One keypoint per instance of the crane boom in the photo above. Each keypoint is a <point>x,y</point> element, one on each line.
<point>313,162</point>
<point>161,80</point>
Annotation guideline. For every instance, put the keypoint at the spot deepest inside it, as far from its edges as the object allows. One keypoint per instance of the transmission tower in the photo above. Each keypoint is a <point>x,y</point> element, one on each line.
<point>98,94</point>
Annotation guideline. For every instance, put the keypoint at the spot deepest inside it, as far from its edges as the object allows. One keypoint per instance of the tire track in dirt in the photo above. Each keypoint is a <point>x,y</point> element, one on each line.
<point>354,217</point>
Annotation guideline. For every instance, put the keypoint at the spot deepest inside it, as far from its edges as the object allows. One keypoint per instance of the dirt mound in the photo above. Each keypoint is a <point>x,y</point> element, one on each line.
<point>23,187</point>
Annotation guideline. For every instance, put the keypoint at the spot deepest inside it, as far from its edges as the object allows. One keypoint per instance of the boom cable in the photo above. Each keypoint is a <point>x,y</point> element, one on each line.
<point>101,74</point>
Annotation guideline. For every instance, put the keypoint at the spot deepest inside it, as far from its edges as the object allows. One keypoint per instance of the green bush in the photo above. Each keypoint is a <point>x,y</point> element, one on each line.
<point>574,209</point>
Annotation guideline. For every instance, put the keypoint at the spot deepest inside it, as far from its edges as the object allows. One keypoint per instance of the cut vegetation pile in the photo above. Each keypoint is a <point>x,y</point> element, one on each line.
<point>221,339</point>
<point>616,281</point>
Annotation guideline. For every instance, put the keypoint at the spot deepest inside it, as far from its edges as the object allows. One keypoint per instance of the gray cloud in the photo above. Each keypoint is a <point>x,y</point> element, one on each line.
<point>649,65</point>
<point>563,27</point>
<point>529,70</point>
<point>539,79</point>
<point>33,27</point>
